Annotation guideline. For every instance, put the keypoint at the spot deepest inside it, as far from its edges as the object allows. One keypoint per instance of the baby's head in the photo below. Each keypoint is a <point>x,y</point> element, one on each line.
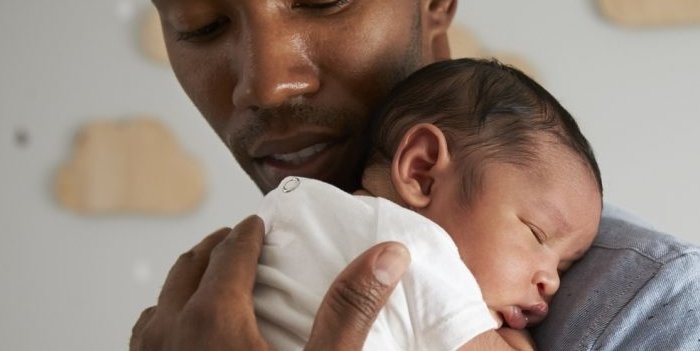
<point>493,158</point>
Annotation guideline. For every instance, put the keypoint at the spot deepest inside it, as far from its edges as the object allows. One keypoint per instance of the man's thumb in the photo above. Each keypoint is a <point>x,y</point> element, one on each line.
<point>355,298</point>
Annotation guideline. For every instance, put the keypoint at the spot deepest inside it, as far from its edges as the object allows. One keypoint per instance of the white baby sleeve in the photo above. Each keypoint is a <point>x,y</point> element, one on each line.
<point>444,301</point>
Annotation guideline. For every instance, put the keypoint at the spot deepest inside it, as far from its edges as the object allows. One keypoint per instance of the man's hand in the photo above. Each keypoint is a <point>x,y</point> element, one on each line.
<point>354,300</point>
<point>206,302</point>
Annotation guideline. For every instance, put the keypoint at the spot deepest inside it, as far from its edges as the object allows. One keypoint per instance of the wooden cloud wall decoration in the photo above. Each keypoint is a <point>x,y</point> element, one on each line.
<point>133,166</point>
<point>641,13</point>
<point>463,43</point>
<point>152,41</point>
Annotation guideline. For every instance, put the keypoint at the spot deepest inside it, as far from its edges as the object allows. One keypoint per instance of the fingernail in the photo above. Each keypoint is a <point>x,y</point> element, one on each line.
<point>391,264</point>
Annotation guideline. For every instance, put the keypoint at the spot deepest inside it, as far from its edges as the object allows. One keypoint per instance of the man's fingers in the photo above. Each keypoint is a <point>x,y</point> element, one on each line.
<point>233,263</point>
<point>358,294</point>
<point>138,329</point>
<point>193,310</point>
<point>224,301</point>
<point>184,277</point>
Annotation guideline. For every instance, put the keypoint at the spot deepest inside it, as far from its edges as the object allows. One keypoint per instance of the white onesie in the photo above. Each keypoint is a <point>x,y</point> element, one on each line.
<point>313,230</point>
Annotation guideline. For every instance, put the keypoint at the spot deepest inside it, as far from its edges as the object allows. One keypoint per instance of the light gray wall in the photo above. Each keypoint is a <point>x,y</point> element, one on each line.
<point>76,283</point>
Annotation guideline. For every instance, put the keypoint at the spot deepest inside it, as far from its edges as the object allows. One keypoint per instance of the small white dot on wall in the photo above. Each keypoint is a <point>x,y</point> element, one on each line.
<point>125,9</point>
<point>141,271</point>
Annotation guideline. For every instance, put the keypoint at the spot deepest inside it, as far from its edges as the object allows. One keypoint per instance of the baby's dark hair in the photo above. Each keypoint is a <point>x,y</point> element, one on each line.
<point>488,112</point>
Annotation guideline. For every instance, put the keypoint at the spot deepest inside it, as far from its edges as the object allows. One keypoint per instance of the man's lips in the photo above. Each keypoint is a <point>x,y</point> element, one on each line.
<point>306,154</point>
<point>301,156</point>
<point>305,162</point>
<point>300,145</point>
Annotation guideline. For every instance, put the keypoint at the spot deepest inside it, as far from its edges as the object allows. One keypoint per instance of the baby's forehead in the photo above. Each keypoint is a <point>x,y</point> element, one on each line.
<point>580,200</point>
<point>553,158</point>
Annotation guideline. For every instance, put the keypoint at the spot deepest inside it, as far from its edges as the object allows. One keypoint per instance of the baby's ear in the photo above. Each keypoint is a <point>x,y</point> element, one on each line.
<point>420,161</point>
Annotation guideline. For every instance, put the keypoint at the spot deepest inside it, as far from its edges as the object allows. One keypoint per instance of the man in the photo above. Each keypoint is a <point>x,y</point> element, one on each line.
<point>288,86</point>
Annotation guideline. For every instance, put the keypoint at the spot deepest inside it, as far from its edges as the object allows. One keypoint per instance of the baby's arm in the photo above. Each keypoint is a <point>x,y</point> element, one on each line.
<point>500,339</point>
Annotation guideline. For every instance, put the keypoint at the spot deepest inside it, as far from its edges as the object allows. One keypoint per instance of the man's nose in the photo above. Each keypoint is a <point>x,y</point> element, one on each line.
<point>274,66</point>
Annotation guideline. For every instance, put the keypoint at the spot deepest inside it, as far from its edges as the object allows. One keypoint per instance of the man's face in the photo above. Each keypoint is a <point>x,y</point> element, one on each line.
<point>288,85</point>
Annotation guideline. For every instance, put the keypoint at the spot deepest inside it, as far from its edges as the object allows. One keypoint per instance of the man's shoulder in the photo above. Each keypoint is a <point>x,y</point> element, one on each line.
<point>623,237</point>
<point>636,288</point>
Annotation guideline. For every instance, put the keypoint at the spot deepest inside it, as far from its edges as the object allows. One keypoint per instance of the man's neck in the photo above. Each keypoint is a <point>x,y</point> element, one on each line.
<point>376,181</point>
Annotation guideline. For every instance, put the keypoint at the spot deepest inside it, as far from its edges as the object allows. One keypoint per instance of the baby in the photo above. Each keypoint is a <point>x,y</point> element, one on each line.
<point>486,179</point>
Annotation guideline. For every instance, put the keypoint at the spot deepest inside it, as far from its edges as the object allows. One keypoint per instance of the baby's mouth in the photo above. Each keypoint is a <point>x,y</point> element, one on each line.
<point>517,317</point>
<point>536,313</point>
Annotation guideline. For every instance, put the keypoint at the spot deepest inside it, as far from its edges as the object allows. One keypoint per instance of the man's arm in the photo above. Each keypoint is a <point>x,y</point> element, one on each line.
<point>206,302</point>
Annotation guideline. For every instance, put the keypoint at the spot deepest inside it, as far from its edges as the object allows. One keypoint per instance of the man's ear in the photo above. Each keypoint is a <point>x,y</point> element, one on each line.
<point>420,161</point>
<point>437,17</point>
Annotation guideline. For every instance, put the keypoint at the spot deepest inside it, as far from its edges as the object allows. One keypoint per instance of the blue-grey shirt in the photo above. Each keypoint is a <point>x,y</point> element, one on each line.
<point>636,289</point>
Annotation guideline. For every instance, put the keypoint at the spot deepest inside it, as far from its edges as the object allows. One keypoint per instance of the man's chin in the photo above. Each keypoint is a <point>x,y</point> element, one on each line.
<point>264,184</point>
<point>347,181</point>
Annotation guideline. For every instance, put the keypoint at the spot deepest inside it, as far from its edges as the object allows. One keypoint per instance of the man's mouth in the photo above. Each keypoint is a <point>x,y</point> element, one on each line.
<point>299,157</point>
<point>311,155</point>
